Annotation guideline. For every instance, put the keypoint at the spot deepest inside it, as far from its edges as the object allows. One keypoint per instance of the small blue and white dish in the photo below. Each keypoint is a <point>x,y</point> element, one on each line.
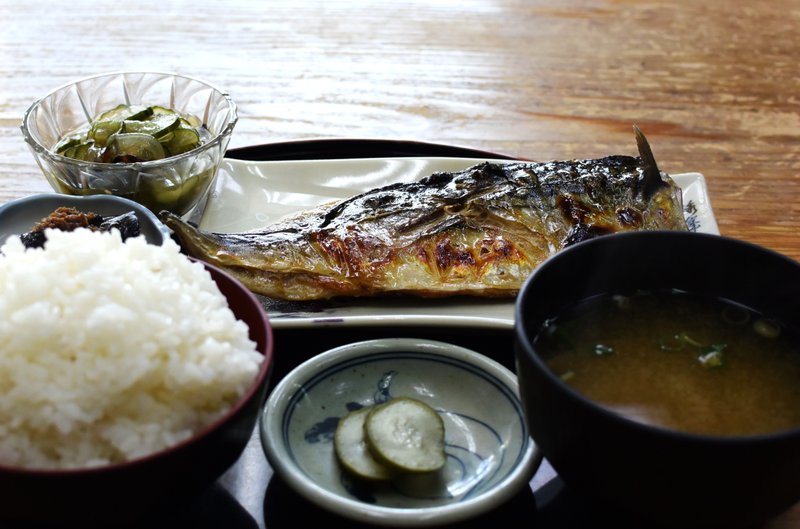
<point>490,454</point>
<point>20,215</point>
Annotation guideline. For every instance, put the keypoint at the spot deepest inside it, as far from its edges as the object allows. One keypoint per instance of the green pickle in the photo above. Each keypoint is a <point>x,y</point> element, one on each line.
<point>134,133</point>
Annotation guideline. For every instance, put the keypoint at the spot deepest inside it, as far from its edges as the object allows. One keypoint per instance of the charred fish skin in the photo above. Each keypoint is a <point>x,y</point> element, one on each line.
<point>477,232</point>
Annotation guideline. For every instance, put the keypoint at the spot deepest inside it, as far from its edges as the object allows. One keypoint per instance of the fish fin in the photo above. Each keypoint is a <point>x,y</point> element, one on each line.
<point>651,179</point>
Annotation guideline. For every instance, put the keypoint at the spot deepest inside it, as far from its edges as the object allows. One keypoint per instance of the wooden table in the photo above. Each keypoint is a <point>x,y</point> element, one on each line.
<point>713,84</point>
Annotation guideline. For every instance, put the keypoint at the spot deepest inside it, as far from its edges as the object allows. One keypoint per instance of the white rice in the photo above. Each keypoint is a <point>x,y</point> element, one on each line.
<point>110,351</point>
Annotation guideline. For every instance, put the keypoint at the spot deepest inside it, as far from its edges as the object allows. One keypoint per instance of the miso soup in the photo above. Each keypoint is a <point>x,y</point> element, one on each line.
<point>679,361</point>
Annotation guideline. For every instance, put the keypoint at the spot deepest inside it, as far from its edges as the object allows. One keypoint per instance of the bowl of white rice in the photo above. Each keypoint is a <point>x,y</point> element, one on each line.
<point>130,375</point>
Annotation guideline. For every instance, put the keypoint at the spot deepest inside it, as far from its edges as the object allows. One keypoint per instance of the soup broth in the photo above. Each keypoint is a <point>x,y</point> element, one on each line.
<point>679,361</point>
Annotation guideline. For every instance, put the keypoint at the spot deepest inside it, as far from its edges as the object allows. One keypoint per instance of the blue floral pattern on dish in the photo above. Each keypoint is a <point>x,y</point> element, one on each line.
<point>490,454</point>
<point>476,450</point>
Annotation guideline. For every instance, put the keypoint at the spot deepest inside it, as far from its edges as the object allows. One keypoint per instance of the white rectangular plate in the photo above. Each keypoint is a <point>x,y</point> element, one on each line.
<point>250,195</point>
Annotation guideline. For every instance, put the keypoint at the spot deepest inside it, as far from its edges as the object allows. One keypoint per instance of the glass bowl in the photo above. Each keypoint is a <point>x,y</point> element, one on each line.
<point>177,183</point>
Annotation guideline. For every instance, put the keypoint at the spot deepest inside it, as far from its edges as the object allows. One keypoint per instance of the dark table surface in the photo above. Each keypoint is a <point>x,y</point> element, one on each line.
<point>251,496</point>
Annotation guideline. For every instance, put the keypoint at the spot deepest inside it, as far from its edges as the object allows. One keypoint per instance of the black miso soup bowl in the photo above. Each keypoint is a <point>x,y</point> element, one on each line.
<point>673,479</point>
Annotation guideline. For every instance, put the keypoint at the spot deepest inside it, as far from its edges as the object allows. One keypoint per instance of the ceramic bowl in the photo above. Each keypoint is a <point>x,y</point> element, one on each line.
<point>672,478</point>
<point>19,216</point>
<point>176,183</point>
<point>121,494</point>
<point>490,455</point>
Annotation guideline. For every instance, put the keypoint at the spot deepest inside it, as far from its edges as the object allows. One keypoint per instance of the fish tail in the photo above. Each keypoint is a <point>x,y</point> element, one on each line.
<point>651,180</point>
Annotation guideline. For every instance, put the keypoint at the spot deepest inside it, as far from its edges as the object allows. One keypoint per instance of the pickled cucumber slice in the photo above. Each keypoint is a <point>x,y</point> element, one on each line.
<point>68,144</point>
<point>132,147</point>
<point>352,451</point>
<point>123,112</point>
<point>102,130</point>
<point>406,434</point>
<point>84,151</point>
<point>158,127</point>
<point>109,138</point>
<point>180,140</point>
<point>157,109</point>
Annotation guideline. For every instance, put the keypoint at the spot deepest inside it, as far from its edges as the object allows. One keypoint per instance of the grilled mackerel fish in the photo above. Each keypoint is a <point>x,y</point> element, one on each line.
<point>477,232</point>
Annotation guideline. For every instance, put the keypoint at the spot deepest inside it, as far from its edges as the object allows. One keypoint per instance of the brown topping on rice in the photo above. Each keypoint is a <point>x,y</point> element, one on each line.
<point>70,219</point>
<point>67,219</point>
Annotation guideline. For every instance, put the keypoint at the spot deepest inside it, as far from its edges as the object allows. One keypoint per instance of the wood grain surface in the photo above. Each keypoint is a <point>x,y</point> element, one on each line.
<point>714,84</point>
